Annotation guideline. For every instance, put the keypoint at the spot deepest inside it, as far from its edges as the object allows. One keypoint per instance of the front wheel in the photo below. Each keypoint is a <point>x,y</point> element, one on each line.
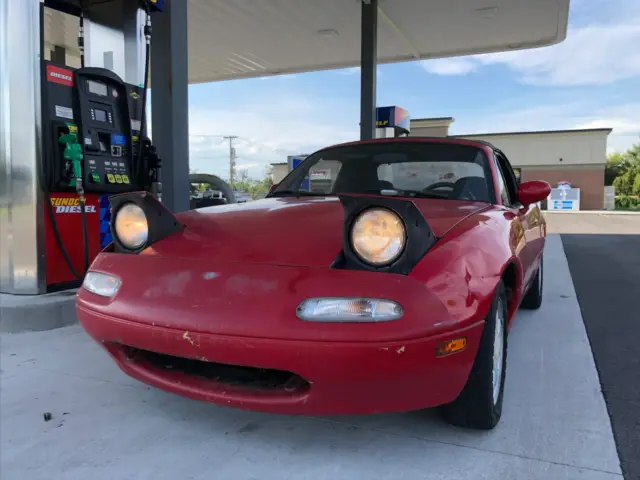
<point>479,405</point>
<point>533,298</point>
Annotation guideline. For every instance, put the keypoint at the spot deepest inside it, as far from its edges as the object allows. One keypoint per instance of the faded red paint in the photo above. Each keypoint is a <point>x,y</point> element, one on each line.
<point>263,232</point>
<point>225,290</point>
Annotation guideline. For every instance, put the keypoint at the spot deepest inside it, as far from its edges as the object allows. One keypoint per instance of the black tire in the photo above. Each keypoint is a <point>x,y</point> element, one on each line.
<point>533,298</point>
<point>475,407</point>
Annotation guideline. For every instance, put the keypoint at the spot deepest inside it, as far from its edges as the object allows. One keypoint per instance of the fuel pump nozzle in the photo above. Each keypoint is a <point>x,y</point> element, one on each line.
<point>73,153</point>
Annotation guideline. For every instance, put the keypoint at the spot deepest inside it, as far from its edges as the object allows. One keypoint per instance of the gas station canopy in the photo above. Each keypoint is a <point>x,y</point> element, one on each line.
<point>231,39</point>
<point>246,38</point>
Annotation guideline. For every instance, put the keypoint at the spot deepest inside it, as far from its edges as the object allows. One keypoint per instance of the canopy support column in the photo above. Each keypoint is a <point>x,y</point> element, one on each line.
<point>170,101</point>
<point>368,68</point>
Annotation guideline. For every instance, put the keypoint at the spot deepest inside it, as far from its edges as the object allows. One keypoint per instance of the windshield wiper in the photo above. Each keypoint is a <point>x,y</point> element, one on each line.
<point>297,193</point>
<point>418,194</point>
<point>394,192</point>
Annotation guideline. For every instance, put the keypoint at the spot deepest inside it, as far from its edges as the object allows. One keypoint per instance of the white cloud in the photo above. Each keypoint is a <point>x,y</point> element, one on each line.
<point>542,117</point>
<point>349,71</point>
<point>267,132</point>
<point>450,66</point>
<point>596,54</point>
<point>625,121</point>
<point>593,55</point>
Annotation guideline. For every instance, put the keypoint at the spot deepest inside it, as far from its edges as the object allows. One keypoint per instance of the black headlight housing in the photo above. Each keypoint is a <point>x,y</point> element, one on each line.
<point>419,236</point>
<point>161,222</point>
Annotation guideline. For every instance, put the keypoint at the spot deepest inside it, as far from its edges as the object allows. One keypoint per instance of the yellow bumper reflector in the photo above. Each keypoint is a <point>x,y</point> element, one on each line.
<point>451,346</point>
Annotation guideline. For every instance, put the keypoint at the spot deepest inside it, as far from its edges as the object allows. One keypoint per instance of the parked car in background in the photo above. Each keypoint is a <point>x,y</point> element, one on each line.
<point>242,197</point>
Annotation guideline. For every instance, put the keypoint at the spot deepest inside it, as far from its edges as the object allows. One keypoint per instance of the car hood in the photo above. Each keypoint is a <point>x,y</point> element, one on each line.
<point>305,231</point>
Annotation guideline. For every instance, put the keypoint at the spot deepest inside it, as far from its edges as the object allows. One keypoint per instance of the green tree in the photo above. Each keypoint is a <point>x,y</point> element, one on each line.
<point>243,177</point>
<point>624,167</point>
<point>612,168</point>
<point>631,159</point>
<point>256,188</point>
<point>633,154</point>
<point>624,184</point>
<point>636,185</point>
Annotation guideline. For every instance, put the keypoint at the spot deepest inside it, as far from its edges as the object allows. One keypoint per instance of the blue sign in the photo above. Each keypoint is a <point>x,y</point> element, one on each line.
<point>305,183</point>
<point>105,219</point>
<point>157,5</point>
<point>388,117</point>
<point>563,204</point>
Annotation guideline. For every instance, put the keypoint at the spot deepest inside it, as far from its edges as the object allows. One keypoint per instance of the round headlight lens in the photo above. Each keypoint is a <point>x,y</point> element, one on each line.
<point>378,236</point>
<point>131,226</point>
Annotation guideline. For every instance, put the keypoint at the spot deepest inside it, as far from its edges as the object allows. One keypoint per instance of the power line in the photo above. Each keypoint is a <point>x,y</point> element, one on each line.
<point>260,145</point>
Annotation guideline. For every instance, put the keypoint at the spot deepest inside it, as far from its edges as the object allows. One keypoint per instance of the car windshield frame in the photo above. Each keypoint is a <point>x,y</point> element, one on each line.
<point>287,187</point>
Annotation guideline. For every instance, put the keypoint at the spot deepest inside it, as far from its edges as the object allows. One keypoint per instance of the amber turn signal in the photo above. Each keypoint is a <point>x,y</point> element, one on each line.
<point>451,346</point>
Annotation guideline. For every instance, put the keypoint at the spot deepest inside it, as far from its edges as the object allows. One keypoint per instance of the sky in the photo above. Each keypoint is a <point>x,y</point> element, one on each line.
<point>591,80</point>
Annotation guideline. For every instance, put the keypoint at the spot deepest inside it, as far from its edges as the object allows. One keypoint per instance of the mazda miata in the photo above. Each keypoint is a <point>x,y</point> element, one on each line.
<point>377,276</point>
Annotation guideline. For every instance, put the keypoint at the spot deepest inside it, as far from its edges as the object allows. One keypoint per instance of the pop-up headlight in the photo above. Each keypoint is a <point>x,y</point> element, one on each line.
<point>131,226</point>
<point>378,236</point>
<point>138,220</point>
<point>382,234</point>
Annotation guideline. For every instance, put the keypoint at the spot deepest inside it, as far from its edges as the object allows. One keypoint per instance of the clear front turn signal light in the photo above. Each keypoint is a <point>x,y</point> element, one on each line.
<point>101,284</point>
<point>348,310</point>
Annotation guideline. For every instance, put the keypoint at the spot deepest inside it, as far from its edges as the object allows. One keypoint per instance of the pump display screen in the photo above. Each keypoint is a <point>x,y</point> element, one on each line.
<point>97,88</point>
<point>101,115</point>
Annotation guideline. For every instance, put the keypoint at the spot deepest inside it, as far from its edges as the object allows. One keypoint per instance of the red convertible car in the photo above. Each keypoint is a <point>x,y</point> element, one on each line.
<point>378,276</point>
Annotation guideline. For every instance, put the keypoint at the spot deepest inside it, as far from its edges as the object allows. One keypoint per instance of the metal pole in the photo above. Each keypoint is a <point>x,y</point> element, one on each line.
<point>368,68</point>
<point>170,100</point>
<point>232,160</point>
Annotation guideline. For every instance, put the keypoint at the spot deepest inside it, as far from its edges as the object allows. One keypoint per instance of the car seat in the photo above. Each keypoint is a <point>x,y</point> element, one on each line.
<point>470,188</point>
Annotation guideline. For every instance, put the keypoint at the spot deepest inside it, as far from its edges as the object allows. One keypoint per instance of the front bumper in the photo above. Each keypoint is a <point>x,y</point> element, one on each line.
<point>341,377</point>
<point>244,315</point>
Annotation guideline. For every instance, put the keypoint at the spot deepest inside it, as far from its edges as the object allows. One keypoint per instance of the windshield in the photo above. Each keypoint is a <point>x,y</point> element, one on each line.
<point>414,169</point>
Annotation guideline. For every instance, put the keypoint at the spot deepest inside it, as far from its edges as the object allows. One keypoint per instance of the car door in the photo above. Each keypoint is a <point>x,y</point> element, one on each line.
<point>518,215</point>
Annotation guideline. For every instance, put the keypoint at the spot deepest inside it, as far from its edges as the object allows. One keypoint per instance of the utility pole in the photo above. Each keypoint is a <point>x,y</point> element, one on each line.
<point>232,159</point>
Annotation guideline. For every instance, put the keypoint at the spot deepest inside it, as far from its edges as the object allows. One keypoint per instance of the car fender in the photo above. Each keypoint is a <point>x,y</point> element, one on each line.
<point>464,267</point>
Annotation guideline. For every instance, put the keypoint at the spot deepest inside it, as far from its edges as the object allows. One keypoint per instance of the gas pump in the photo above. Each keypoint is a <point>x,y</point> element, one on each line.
<point>392,122</point>
<point>94,145</point>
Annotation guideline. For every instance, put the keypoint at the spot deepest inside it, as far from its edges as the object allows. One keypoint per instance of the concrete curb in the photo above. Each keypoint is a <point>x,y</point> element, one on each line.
<point>36,313</point>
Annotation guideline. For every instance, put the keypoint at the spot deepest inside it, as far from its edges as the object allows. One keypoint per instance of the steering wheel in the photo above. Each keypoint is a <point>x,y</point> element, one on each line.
<point>438,185</point>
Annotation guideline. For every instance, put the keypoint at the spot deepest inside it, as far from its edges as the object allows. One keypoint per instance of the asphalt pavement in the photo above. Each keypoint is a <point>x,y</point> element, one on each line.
<point>606,275</point>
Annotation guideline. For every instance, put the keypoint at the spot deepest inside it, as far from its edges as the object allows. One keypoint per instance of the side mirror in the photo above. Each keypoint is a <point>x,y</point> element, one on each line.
<point>533,192</point>
<point>272,188</point>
